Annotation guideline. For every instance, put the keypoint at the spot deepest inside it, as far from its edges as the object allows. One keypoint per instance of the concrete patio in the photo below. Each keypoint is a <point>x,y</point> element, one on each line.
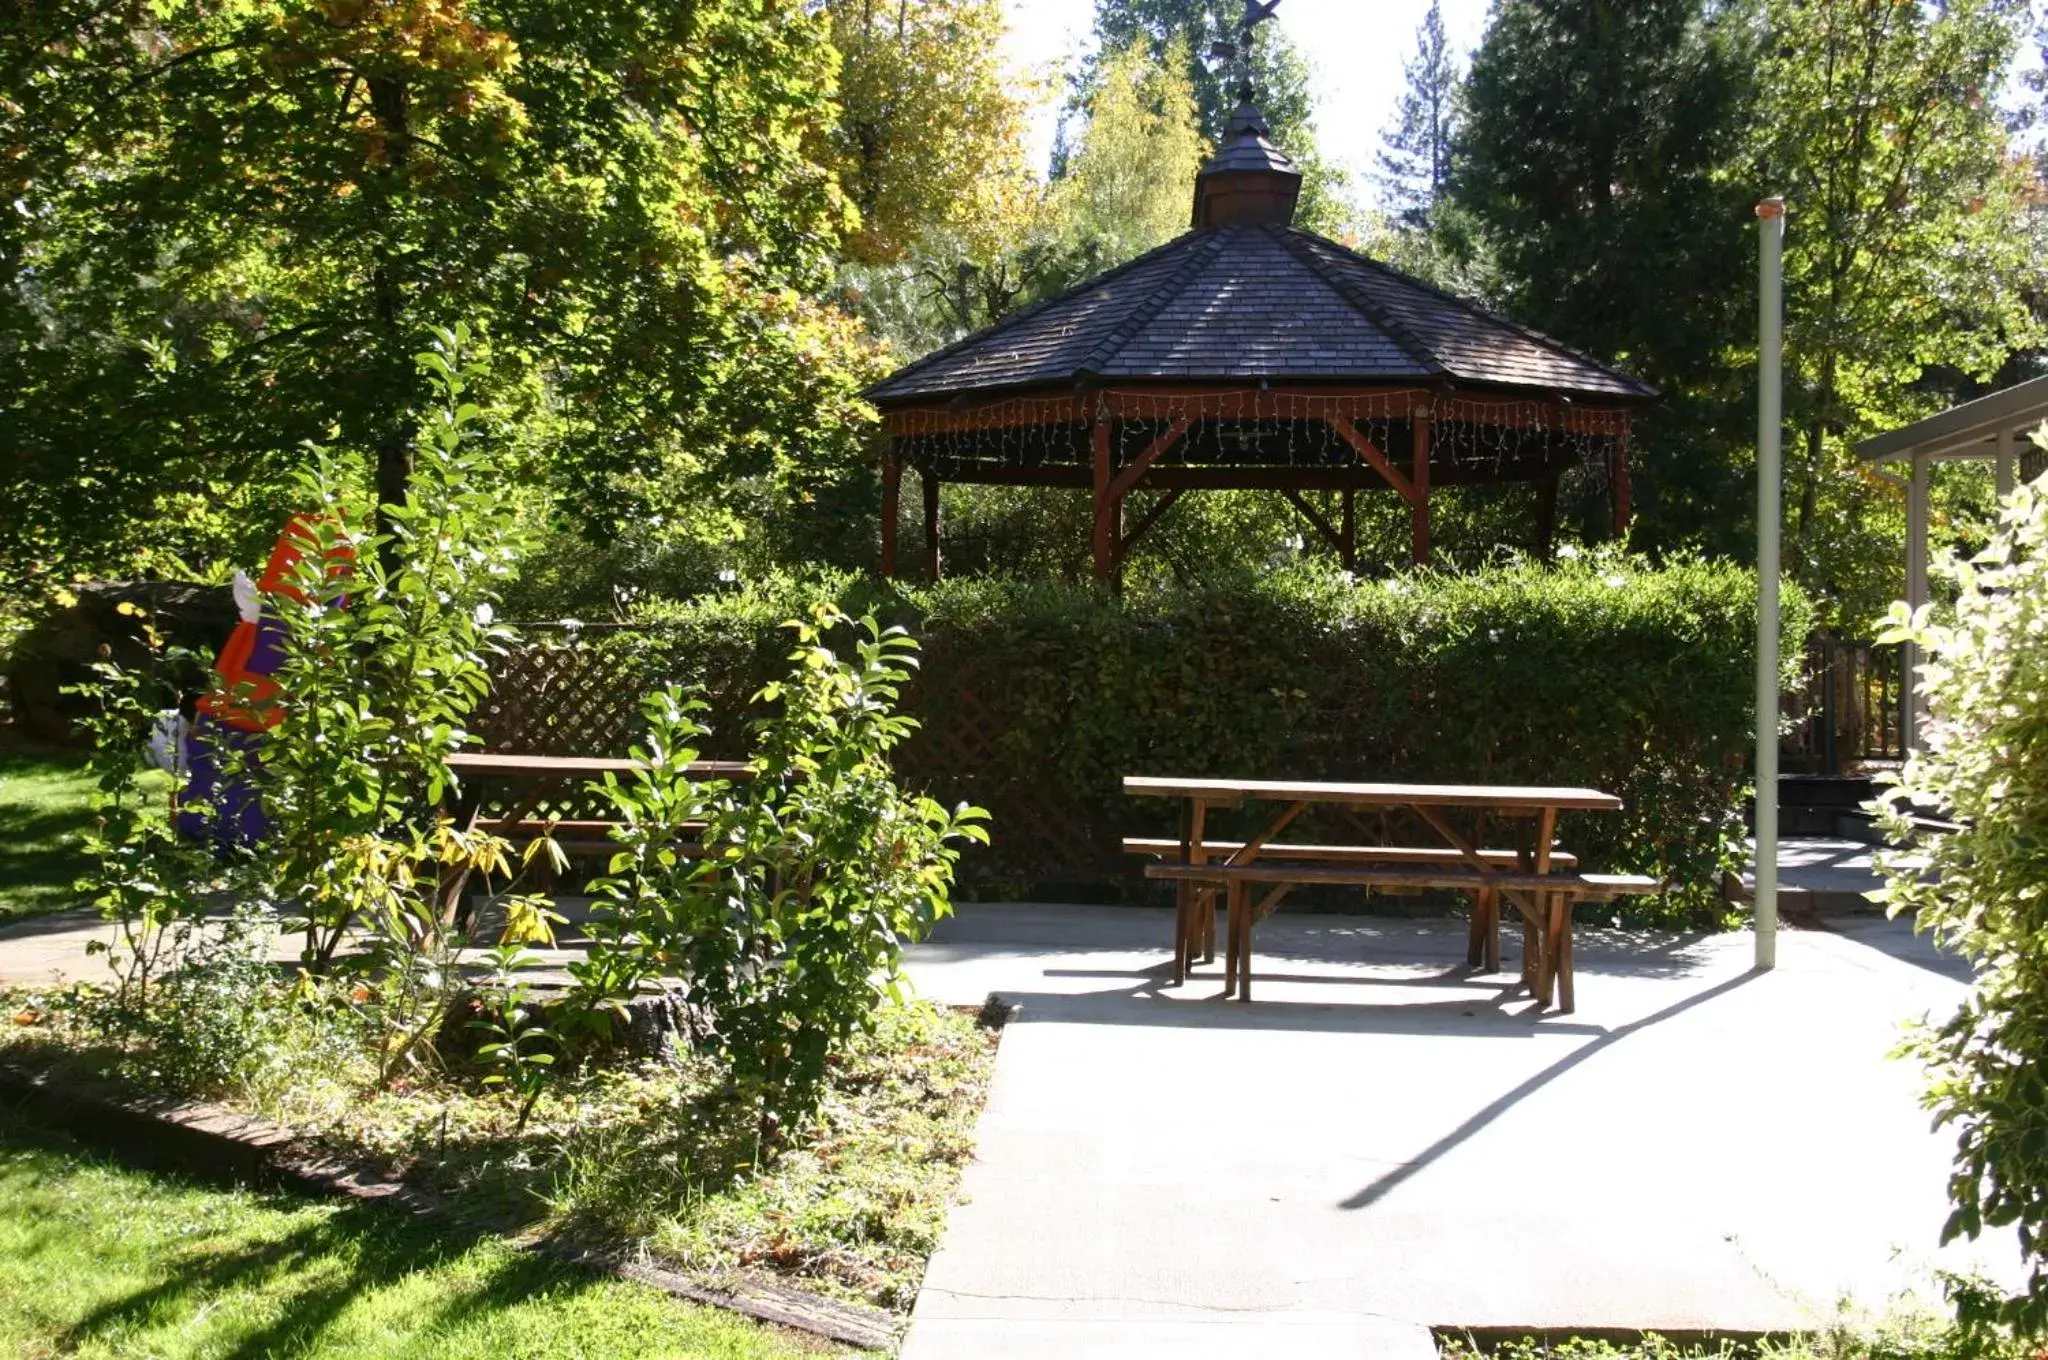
<point>1380,1144</point>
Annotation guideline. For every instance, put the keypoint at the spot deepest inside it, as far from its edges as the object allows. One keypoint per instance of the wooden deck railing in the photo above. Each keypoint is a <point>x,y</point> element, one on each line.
<point>1848,708</point>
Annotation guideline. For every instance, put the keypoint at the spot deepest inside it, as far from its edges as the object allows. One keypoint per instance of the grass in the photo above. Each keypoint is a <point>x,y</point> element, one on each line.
<point>102,1261</point>
<point>642,1155</point>
<point>44,814</point>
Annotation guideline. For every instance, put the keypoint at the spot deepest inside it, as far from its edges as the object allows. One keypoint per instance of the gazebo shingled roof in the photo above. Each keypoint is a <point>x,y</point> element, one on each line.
<point>1247,302</point>
<point>1251,353</point>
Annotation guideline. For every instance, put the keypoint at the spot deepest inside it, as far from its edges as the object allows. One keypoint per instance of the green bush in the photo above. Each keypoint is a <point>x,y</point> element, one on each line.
<point>1036,698</point>
<point>787,932</point>
<point>1982,888</point>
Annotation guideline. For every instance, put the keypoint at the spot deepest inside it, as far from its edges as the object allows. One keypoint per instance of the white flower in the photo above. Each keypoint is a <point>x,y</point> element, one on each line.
<point>1617,582</point>
<point>484,614</point>
<point>728,576</point>
<point>1568,552</point>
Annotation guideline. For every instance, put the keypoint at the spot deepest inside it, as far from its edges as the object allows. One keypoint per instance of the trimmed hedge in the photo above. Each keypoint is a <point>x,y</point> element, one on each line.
<point>1037,698</point>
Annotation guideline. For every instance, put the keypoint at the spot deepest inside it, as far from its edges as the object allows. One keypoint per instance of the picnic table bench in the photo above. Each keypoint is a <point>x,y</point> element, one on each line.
<point>1535,877</point>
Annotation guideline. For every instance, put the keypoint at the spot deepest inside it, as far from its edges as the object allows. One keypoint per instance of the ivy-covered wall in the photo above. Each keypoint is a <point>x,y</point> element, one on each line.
<point>1037,698</point>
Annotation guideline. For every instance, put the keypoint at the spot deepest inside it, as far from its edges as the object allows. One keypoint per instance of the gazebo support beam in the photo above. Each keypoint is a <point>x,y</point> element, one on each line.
<point>1104,546</point>
<point>892,490</point>
<point>931,523</point>
<point>1623,495</point>
<point>1324,529</point>
<point>1367,450</point>
<point>1546,518</point>
<point>1133,470</point>
<point>1419,479</point>
<point>1152,516</point>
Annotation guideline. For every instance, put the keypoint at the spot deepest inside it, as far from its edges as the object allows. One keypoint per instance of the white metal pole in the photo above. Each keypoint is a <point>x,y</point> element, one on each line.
<point>1769,513</point>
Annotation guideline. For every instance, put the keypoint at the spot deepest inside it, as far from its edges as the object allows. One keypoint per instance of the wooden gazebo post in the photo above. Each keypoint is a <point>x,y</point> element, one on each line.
<point>1103,546</point>
<point>1418,513</point>
<point>930,480</point>
<point>892,494</point>
<point>1623,495</point>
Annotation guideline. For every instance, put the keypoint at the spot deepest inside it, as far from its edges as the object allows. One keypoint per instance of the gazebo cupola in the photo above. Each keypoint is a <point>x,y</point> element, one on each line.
<point>1248,354</point>
<point>1249,179</point>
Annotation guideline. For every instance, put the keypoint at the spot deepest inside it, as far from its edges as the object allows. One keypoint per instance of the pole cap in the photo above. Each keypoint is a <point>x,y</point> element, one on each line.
<point>1771,208</point>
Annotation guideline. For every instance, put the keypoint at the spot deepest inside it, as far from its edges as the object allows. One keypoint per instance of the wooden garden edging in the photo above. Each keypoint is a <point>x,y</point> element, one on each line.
<point>191,1135</point>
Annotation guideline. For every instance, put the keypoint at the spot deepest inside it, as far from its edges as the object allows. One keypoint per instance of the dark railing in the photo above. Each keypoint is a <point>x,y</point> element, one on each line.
<point>1848,708</point>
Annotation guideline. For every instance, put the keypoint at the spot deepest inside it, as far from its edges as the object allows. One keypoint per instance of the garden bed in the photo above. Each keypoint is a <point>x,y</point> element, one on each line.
<point>634,1159</point>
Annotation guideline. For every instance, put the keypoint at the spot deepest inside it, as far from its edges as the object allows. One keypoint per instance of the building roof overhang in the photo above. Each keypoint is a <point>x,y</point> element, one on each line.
<point>1970,430</point>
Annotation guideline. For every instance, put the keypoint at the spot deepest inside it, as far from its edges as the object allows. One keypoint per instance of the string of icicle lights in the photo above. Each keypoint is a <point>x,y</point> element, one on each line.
<point>1472,439</point>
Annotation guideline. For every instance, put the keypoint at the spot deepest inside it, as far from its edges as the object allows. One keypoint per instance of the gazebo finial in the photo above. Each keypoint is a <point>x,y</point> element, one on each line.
<point>1239,52</point>
<point>1249,179</point>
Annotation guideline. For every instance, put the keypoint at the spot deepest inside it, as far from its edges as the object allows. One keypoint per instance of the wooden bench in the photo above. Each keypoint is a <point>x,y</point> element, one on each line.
<point>1483,945</point>
<point>1545,901</point>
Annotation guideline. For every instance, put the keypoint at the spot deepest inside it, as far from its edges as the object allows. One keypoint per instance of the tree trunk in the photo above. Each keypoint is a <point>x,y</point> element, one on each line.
<point>391,103</point>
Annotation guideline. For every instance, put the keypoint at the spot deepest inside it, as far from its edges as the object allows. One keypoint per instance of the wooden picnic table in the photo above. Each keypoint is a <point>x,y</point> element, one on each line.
<point>1534,876</point>
<point>538,776</point>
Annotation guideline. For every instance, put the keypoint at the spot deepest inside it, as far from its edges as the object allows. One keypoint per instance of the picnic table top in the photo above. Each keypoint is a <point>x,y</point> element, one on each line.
<point>1494,796</point>
<point>499,762</point>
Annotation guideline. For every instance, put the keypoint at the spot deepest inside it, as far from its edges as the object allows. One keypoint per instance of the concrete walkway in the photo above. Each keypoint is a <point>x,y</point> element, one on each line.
<point>1379,1145</point>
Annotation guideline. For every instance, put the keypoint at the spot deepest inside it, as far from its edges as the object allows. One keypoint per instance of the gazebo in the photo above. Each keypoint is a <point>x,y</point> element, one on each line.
<point>1248,354</point>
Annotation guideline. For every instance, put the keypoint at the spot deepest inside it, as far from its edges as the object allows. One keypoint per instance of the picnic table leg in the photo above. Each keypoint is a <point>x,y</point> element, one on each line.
<point>1546,909</point>
<point>1546,939</point>
<point>1565,1000</point>
<point>1192,898</point>
<point>1241,908</point>
<point>1233,930</point>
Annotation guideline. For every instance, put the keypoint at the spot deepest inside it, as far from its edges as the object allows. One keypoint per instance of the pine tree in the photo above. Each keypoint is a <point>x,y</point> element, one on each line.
<point>1415,158</point>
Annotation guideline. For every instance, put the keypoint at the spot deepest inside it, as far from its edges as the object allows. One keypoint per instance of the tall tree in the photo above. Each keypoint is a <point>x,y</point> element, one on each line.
<point>1187,30</point>
<point>1907,253</point>
<point>1599,184</point>
<point>1132,176</point>
<point>234,224</point>
<point>927,118</point>
<point>1415,155</point>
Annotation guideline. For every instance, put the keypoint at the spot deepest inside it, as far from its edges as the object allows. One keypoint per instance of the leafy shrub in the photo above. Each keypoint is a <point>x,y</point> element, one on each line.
<point>1983,890</point>
<point>385,638</point>
<point>1036,698</point>
<point>148,880</point>
<point>788,930</point>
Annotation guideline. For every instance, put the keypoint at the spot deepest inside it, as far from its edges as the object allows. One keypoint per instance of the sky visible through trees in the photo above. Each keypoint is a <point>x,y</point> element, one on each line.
<point>1355,50</point>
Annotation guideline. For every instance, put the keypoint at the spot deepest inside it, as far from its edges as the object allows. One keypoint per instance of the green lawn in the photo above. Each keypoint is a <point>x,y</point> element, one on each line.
<point>101,1261</point>
<point>44,812</point>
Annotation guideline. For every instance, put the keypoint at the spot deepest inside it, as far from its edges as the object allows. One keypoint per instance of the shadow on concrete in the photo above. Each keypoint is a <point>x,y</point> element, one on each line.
<point>1472,1016</point>
<point>1494,1109</point>
<point>52,923</point>
<point>1896,939</point>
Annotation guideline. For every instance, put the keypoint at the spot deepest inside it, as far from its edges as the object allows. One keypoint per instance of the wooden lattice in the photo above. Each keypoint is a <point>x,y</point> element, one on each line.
<point>580,695</point>
<point>557,700</point>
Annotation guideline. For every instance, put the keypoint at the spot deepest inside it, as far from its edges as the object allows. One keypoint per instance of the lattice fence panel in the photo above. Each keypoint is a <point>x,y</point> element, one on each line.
<point>580,696</point>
